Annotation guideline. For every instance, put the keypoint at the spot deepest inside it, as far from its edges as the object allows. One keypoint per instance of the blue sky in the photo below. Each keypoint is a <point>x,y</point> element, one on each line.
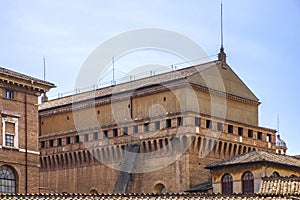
<point>261,39</point>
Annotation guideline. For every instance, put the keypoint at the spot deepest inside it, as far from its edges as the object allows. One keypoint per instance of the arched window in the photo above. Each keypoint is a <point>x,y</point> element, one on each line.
<point>7,180</point>
<point>248,182</point>
<point>275,174</point>
<point>159,189</point>
<point>227,184</point>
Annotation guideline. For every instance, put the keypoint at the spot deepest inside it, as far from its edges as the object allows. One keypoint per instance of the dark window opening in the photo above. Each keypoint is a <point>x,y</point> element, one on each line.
<point>157,125</point>
<point>115,132</point>
<point>240,131</point>
<point>86,137</point>
<point>269,138</point>
<point>197,121</point>
<point>9,140</point>
<point>250,133</point>
<point>76,139</point>
<point>95,136</point>
<point>230,129</point>
<point>105,133</point>
<point>227,184</point>
<point>125,131</point>
<point>135,129</point>
<point>42,144</point>
<point>59,142</point>
<point>247,183</point>
<point>146,127</point>
<point>68,140</point>
<point>179,121</point>
<point>168,123</point>
<point>68,117</point>
<point>98,112</point>
<point>50,143</point>
<point>8,180</point>
<point>165,98</point>
<point>220,126</point>
<point>208,124</point>
<point>259,135</point>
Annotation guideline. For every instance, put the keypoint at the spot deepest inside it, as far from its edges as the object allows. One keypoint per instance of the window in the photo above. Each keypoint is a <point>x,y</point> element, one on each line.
<point>7,180</point>
<point>10,94</point>
<point>10,131</point>
<point>240,131</point>
<point>146,127</point>
<point>135,129</point>
<point>157,125</point>
<point>115,132</point>
<point>248,182</point>
<point>250,133</point>
<point>269,138</point>
<point>105,133</point>
<point>275,174</point>
<point>197,121</point>
<point>86,137</point>
<point>68,140</point>
<point>220,126</point>
<point>95,136</point>
<point>179,121</point>
<point>76,139</point>
<point>50,143</point>
<point>125,131</point>
<point>259,135</point>
<point>42,144</point>
<point>208,124</point>
<point>9,140</point>
<point>168,123</point>
<point>59,142</point>
<point>227,184</point>
<point>230,129</point>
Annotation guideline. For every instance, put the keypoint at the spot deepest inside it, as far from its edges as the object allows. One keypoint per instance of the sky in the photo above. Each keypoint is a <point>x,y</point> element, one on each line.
<point>261,40</point>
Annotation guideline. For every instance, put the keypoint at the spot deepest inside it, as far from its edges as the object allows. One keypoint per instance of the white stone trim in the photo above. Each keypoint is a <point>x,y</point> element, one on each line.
<point>30,151</point>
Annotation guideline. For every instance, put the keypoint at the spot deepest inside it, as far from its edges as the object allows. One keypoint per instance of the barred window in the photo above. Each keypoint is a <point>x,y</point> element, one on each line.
<point>7,180</point>
<point>227,184</point>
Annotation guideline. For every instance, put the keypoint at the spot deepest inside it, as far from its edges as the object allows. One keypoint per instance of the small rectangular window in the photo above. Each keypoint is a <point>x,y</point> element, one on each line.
<point>197,121</point>
<point>76,139</point>
<point>50,143</point>
<point>269,138</point>
<point>105,133</point>
<point>240,131</point>
<point>179,121</point>
<point>208,124</point>
<point>146,127</point>
<point>68,140</point>
<point>9,140</point>
<point>86,137</point>
<point>135,129</point>
<point>220,126</point>
<point>168,123</point>
<point>95,136</point>
<point>157,125</point>
<point>230,129</point>
<point>10,94</point>
<point>42,144</point>
<point>250,133</point>
<point>59,142</point>
<point>115,132</point>
<point>125,130</point>
<point>259,135</point>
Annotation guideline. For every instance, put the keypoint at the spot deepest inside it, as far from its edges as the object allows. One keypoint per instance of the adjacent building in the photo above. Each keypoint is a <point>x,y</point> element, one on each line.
<point>19,150</point>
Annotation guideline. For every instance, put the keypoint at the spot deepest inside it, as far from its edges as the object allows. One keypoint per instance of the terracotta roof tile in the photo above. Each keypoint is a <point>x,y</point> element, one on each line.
<point>258,156</point>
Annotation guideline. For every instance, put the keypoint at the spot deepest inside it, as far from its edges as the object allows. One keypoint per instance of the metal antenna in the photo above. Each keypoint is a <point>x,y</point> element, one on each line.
<point>278,124</point>
<point>44,68</point>
<point>113,71</point>
<point>221,24</point>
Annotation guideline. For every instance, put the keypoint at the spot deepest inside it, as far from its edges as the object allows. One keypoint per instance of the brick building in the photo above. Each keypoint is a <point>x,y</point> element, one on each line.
<point>19,151</point>
<point>170,126</point>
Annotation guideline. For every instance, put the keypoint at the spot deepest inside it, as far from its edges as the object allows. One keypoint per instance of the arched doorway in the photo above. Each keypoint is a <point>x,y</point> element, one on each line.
<point>159,189</point>
<point>7,180</point>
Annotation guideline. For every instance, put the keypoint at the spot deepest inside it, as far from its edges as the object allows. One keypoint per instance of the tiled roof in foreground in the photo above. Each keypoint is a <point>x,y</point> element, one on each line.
<point>258,156</point>
<point>280,185</point>
<point>178,196</point>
